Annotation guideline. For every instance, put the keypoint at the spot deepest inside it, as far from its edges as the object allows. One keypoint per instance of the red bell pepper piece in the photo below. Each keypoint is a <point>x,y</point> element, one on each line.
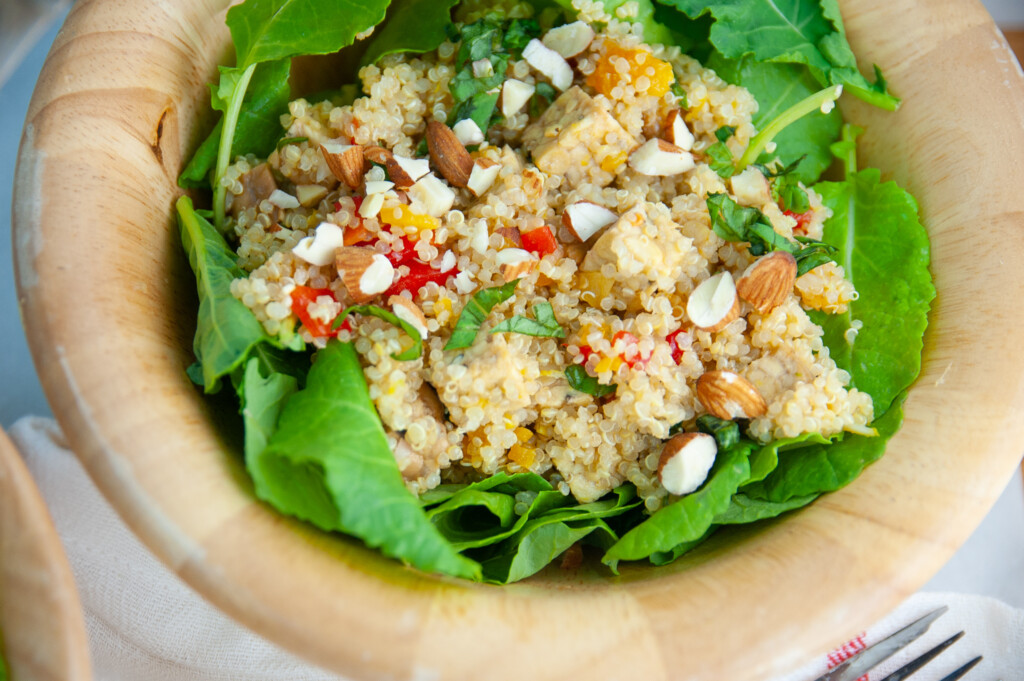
<point>540,241</point>
<point>302,297</point>
<point>673,342</point>
<point>803,220</point>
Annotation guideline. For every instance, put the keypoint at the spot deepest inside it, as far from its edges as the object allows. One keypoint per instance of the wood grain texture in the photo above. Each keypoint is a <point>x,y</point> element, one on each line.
<point>109,307</point>
<point>41,621</point>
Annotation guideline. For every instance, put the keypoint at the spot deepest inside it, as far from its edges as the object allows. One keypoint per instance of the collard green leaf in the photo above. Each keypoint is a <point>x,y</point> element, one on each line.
<point>329,463</point>
<point>267,30</point>
<point>742,509</point>
<point>412,26</point>
<point>765,458</point>
<point>259,122</point>
<point>818,468</point>
<point>226,330</point>
<point>508,482</point>
<point>580,380</point>
<point>788,31</point>
<point>540,542</point>
<point>543,324</point>
<point>688,518</point>
<point>262,395</point>
<point>776,87</point>
<point>473,315</point>
<point>884,250</point>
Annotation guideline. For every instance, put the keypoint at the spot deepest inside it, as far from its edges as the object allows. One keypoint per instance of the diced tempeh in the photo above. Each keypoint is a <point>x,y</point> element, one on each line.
<point>578,139</point>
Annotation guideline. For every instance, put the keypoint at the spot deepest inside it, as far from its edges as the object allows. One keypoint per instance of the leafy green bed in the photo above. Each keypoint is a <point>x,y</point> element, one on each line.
<point>313,442</point>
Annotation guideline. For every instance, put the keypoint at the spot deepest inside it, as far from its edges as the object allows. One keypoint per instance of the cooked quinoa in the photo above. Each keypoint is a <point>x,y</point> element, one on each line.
<point>505,403</point>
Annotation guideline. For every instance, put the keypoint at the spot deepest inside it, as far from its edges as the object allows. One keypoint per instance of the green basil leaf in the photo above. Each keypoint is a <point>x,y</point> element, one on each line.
<point>580,380</point>
<point>720,159</point>
<point>813,254</point>
<point>285,141</point>
<point>473,315</point>
<point>725,132</point>
<point>380,313</point>
<point>519,33</point>
<point>544,323</point>
<point>734,222</point>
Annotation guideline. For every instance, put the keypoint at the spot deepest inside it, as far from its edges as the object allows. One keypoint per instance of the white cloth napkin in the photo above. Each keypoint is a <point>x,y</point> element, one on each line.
<point>145,624</point>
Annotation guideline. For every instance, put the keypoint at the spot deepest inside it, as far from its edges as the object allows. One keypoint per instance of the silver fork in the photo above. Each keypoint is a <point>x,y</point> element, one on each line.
<point>866,660</point>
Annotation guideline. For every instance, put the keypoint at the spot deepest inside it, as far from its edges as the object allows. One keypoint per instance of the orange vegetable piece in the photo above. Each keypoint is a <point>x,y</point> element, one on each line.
<point>642,64</point>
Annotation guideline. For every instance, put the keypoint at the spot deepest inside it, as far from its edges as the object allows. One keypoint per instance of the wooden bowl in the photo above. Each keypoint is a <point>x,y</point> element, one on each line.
<point>41,621</point>
<point>109,304</point>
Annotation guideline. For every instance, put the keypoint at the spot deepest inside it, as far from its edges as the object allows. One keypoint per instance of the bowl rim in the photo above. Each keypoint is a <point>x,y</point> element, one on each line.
<point>826,583</point>
<point>41,620</point>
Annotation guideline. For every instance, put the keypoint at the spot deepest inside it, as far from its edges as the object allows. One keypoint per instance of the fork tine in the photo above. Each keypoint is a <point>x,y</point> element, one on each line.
<point>953,676</point>
<point>915,664</point>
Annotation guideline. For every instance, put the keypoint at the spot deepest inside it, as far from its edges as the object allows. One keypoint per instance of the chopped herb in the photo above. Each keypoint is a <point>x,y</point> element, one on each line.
<point>380,313</point>
<point>720,159</point>
<point>679,92</point>
<point>725,132</point>
<point>544,324</point>
<point>813,254</point>
<point>726,433</point>
<point>476,311</point>
<point>519,33</point>
<point>542,91</point>
<point>734,222</point>
<point>290,140</point>
<point>580,380</point>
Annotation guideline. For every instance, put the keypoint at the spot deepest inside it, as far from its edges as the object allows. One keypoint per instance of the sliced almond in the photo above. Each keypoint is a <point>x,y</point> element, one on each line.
<point>484,173</point>
<point>346,161</point>
<point>371,205</point>
<point>518,270</point>
<point>283,199</point>
<point>408,312</point>
<point>585,219</point>
<point>713,304</point>
<point>310,194</point>
<point>364,272</point>
<point>657,157</point>
<point>768,282</point>
<point>676,131</point>
<point>320,249</point>
<point>570,39</point>
<point>548,62</point>
<point>728,395</point>
<point>397,173</point>
<point>468,132</point>
<point>448,154</point>
<point>685,462</point>
<point>514,96</point>
<point>431,196</point>
<point>750,188</point>
<point>415,168</point>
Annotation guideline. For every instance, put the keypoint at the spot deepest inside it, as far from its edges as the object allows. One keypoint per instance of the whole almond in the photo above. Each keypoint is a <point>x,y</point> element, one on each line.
<point>728,395</point>
<point>768,282</point>
<point>364,272</point>
<point>448,154</point>
<point>346,163</point>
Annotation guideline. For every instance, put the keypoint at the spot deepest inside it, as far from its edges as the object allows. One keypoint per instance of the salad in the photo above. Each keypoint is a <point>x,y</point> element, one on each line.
<point>551,278</point>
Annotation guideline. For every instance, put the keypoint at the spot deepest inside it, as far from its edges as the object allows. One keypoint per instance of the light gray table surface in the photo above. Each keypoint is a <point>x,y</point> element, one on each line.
<point>991,562</point>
